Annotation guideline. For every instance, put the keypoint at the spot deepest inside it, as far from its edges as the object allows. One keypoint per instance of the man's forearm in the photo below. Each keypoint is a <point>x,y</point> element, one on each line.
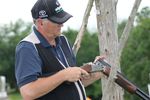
<point>41,86</point>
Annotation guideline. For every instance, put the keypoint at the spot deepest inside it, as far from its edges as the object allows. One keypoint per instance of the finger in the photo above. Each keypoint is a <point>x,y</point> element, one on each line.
<point>99,58</point>
<point>83,72</point>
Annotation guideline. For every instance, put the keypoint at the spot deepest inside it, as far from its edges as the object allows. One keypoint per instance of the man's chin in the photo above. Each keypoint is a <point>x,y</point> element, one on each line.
<point>59,33</point>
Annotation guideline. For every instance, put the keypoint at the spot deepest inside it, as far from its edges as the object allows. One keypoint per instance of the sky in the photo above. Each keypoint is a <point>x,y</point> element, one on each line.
<point>12,10</point>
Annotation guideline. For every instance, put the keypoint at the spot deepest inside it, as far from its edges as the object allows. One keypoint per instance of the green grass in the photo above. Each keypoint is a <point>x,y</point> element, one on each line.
<point>15,96</point>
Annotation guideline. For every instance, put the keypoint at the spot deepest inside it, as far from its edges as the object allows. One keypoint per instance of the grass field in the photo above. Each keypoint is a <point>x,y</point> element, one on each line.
<point>14,96</point>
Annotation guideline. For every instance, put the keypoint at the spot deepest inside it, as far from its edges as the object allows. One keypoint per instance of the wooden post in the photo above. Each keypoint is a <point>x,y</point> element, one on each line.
<point>3,93</point>
<point>149,85</point>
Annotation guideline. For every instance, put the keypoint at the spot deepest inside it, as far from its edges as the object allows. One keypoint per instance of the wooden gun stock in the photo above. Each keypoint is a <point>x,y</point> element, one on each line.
<point>121,81</point>
<point>127,85</point>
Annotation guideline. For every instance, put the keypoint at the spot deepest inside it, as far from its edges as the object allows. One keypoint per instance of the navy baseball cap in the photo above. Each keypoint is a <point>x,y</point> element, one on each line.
<point>50,9</point>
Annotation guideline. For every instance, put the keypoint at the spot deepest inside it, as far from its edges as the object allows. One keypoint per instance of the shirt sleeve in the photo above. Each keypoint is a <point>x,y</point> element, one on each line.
<point>27,64</point>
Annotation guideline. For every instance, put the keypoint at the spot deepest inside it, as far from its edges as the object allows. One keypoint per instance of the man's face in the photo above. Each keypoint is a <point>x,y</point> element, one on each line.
<point>51,29</point>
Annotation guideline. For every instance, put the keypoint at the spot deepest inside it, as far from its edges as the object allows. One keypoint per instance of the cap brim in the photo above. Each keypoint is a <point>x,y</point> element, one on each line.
<point>60,18</point>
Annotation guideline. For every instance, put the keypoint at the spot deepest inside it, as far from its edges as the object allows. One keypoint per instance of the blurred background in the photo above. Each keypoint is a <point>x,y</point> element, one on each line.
<point>16,22</point>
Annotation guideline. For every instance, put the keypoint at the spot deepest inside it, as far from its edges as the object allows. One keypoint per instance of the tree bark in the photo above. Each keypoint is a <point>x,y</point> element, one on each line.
<point>108,43</point>
<point>79,37</point>
<point>128,26</point>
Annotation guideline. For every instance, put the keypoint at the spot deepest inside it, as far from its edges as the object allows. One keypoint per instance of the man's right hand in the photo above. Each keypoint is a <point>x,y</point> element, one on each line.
<point>73,74</point>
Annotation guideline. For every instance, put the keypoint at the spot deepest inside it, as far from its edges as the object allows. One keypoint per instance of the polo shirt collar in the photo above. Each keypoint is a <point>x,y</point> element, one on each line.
<point>43,41</point>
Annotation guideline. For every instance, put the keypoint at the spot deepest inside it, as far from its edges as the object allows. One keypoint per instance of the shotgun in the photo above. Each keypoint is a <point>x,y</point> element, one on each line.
<point>104,67</point>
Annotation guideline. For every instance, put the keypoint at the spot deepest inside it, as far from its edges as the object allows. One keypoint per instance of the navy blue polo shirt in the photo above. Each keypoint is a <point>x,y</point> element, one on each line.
<point>28,66</point>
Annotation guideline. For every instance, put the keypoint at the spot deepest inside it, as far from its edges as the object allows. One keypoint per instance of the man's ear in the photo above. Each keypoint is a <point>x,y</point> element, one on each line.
<point>39,21</point>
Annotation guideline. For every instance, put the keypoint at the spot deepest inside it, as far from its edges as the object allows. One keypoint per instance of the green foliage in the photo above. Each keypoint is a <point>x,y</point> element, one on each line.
<point>71,35</point>
<point>121,27</point>
<point>14,96</point>
<point>87,53</point>
<point>144,14</point>
<point>10,35</point>
<point>89,46</point>
<point>94,91</point>
<point>136,57</point>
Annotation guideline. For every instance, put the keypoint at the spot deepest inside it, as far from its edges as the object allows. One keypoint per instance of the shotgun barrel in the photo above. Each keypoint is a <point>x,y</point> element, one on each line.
<point>103,66</point>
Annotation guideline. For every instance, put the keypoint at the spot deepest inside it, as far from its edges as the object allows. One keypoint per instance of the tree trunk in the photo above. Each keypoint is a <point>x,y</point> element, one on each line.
<point>79,37</point>
<point>108,43</point>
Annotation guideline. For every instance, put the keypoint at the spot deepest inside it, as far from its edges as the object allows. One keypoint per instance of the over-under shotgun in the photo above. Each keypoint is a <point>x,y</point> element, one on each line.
<point>103,66</point>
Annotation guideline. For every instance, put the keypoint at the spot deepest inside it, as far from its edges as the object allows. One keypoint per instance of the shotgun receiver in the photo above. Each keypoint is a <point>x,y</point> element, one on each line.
<point>103,66</point>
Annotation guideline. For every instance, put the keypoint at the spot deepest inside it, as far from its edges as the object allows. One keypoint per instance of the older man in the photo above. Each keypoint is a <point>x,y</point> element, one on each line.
<point>45,64</point>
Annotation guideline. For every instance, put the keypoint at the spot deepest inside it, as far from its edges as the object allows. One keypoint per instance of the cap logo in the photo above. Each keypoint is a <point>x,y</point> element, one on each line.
<point>58,8</point>
<point>57,3</point>
<point>42,14</point>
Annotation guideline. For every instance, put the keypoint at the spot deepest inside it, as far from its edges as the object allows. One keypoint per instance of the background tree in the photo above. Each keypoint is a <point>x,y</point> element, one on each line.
<point>110,44</point>
<point>136,57</point>
<point>9,37</point>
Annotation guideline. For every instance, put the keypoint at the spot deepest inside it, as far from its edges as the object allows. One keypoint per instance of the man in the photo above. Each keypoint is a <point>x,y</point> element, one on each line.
<point>45,64</point>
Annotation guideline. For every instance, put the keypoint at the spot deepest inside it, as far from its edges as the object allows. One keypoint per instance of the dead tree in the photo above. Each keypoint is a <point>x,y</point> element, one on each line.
<point>109,43</point>
<point>79,37</point>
